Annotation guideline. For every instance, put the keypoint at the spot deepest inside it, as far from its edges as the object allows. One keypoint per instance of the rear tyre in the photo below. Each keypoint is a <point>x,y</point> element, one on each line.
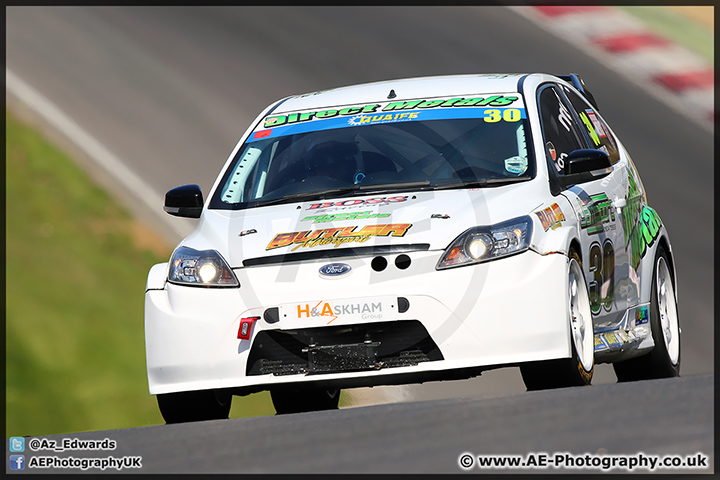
<point>194,406</point>
<point>578,369</point>
<point>663,361</point>
<point>304,399</point>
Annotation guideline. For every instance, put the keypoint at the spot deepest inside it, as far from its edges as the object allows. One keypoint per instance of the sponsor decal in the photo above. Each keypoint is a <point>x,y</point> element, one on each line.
<point>335,269</point>
<point>516,165</point>
<point>261,134</point>
<point>347,309</point>
<point>595,212</point>
<point>299,117</point>
<point>337,236</point>
<point>600,343</point>
<point>493,108</point>
<point>386,118</point>
<point>641,316</point>
<point>332,310</point>
<point>551,217</point>
<point>358,202</point>
<point>611,339</point>
<point>641,224</point>
<point>590,128</point>
<point>551,150</point>
<point>344,216</point>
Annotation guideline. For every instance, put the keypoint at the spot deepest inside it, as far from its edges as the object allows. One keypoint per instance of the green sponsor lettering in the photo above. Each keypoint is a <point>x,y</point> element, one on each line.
<point>451,102</point>
<point>304,117</point>
<point>401,105</point>
<point>430,103</point>
<point>502,101</point>
<point>350,111</point>
<point>326,114</point>
<point>468,102</point>
<point>370,108</point>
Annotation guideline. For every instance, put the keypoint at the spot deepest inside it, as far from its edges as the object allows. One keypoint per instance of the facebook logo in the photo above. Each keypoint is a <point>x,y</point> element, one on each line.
<point>17,462</point>
<point>17,444</point>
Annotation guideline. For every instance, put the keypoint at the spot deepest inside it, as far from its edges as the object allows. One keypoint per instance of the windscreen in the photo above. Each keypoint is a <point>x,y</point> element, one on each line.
<point>304,155</point>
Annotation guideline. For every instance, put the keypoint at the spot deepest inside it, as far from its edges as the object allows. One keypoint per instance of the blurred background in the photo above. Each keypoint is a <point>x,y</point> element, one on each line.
<point>110,107</point>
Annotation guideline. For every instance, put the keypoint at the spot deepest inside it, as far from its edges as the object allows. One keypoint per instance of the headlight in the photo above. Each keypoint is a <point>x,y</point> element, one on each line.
<point>204,268</point>
<point>480,244</point>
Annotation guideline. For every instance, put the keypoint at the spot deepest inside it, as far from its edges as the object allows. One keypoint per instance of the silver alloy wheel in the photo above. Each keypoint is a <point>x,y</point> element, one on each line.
<point>667,308</point>
<point>580,316</point>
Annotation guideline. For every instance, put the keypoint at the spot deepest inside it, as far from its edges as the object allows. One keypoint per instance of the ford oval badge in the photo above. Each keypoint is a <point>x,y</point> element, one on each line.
<point>335,270</point>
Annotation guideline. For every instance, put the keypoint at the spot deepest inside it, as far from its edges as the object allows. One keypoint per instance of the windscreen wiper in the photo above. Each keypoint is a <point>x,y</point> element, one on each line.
<point>334,192</point>
<point>395,186</point>
<point>311,195</point>
<point>482,182</point>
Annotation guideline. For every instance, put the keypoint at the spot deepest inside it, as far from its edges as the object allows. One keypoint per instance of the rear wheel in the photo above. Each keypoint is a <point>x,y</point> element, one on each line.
<point>181,407</point>
<point>304,399</point>
<point>664,359</point>
<point>578,369</point>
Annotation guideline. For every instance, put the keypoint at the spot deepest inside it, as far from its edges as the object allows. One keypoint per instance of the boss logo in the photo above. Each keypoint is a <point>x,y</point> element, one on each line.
<point>335,270</point>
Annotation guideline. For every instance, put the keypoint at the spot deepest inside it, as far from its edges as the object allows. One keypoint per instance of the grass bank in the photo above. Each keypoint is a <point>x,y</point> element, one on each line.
<point>76,265</point>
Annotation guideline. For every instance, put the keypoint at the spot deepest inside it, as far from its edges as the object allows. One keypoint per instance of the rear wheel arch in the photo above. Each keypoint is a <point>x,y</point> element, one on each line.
<point>665,244</point>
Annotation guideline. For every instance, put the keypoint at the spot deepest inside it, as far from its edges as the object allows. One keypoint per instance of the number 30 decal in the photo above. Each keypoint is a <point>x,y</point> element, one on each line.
<point>493,115</point>
<point>602,270</point>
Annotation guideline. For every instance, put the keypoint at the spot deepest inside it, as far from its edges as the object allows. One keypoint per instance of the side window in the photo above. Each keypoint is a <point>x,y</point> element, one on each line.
<point>560,131</point>
<point>595,127</point>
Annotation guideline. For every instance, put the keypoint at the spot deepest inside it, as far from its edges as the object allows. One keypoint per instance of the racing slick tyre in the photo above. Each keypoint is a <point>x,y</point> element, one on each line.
<point>194,406</point>
<point>663,361</point>
<point>578,369</point>
<point>304,399</point>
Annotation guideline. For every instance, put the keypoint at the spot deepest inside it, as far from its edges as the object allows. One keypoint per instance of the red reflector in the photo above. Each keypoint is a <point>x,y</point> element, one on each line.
<point>246,327</point>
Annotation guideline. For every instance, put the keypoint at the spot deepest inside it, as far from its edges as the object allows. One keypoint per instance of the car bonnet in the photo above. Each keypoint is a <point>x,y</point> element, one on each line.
<point>420,220</point>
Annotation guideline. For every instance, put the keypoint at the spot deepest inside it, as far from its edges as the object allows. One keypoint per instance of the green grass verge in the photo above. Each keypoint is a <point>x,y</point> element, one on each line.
<point>696,38</point>
<point>75,278</point>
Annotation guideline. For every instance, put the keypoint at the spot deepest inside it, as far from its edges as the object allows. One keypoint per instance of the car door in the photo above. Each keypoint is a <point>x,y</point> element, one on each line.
<point>567,127</point>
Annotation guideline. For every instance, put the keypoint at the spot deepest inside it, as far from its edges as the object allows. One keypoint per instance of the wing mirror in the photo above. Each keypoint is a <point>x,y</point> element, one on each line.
<point>184,201</point>
<point>585,165</point>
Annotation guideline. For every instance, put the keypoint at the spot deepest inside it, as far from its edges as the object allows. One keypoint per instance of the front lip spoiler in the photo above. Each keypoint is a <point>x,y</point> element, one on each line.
<point>336,253</point>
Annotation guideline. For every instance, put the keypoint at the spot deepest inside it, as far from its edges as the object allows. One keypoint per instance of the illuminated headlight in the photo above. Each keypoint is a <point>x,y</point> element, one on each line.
<point>204,268</point>
<point>480,244</point>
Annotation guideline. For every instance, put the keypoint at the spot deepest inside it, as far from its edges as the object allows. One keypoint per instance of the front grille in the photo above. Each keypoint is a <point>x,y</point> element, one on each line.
<point>341,348</point>
<point>352,252</point>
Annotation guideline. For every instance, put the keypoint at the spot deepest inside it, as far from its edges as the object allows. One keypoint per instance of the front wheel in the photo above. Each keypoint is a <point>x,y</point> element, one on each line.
<point>304,399</point>
<point>181,407</point>
<point>663,361</point>
<point>578,369</point>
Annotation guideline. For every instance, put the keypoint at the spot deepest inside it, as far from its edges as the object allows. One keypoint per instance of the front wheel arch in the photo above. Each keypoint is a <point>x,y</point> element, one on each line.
<point>568,372</point>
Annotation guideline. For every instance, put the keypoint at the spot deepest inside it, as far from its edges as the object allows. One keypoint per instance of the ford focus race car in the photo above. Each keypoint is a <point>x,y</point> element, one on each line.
<point>409,231</point>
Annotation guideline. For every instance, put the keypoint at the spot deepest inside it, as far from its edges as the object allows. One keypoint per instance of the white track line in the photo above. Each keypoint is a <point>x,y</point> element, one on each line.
<point>93,148</point>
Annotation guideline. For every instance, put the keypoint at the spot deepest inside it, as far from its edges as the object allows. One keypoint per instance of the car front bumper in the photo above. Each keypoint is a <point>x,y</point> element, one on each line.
<point>488,315</point>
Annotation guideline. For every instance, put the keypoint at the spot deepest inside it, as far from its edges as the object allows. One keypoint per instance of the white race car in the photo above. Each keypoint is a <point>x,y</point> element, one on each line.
<point>409,231</point>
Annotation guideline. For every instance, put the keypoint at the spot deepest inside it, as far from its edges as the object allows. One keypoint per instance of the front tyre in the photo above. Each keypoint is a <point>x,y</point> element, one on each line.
<point>578,369</point>
<point>304,399</point>
<point>181,407</point>
<point>663,361</point>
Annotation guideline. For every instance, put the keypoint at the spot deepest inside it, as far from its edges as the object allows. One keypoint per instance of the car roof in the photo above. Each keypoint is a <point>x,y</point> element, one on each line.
<point>406,89</point>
